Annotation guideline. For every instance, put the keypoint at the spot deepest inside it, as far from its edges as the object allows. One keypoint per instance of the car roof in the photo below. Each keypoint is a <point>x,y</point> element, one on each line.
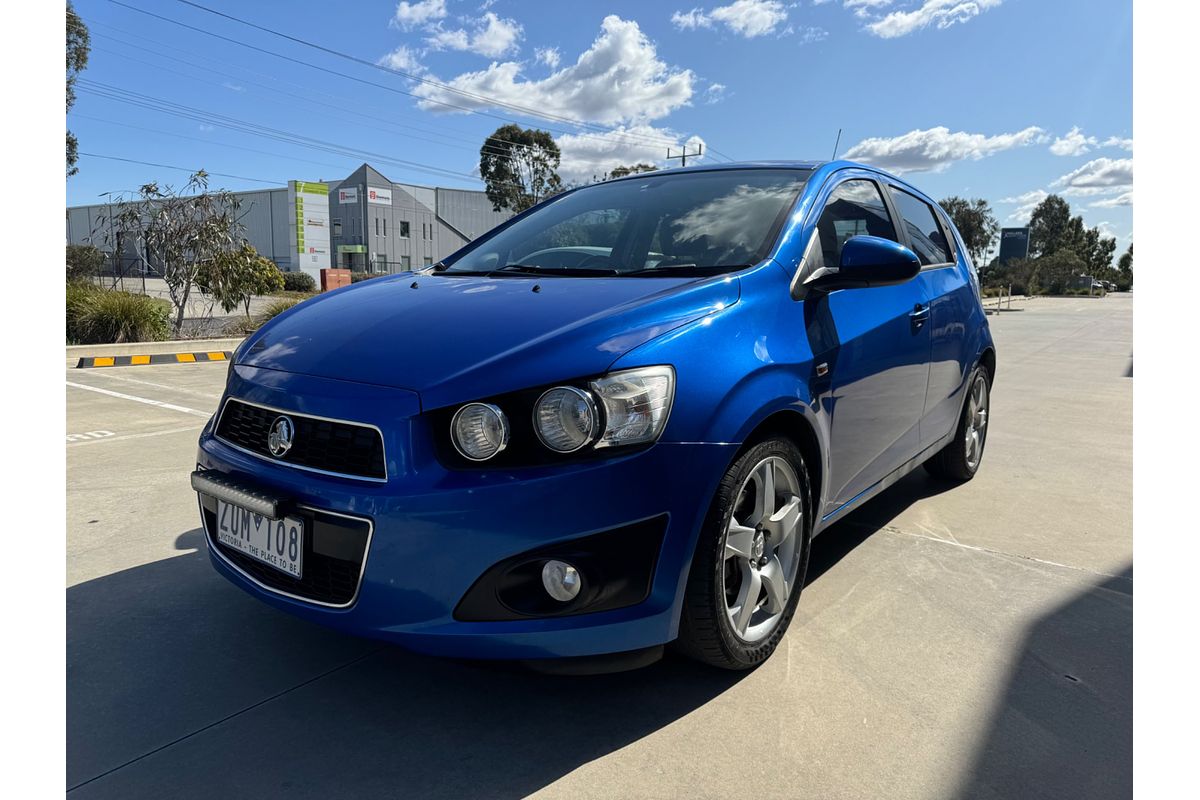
<point>824,166</point>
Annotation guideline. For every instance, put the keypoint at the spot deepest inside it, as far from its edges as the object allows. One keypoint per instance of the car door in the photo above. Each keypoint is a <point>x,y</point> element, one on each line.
<point>950,293</point>
<point>873,344</point>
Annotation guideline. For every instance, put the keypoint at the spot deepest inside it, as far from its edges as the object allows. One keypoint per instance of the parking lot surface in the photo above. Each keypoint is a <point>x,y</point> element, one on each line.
<point>952,641</point>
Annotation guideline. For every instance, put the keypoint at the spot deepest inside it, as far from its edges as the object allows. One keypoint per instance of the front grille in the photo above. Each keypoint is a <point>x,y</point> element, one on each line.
<point>342,448</point>
<point>334,550</point>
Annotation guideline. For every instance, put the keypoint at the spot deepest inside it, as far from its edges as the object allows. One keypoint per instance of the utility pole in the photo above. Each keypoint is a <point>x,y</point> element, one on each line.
<point>683,157</point>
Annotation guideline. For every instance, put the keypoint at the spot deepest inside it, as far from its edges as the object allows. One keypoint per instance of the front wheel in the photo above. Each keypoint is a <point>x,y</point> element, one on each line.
<point>960,459</point>
<point>750,560</point>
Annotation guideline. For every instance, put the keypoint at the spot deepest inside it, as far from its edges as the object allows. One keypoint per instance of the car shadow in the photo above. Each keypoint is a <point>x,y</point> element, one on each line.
<point>1063,726</point>
<point>178,683</point>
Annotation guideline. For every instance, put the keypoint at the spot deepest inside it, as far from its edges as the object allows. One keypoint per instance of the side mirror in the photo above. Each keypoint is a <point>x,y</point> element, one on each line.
<point>867,261</point>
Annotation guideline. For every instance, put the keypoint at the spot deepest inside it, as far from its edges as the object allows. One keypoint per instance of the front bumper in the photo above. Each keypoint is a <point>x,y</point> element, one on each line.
<point>436,531</point>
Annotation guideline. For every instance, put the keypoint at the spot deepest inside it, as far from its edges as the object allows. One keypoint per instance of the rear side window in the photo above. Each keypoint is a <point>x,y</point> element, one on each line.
<point>928,240</point>
<point>854,208</point>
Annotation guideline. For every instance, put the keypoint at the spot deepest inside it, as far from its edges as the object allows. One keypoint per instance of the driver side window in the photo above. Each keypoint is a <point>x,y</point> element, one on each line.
<point>854,208</point>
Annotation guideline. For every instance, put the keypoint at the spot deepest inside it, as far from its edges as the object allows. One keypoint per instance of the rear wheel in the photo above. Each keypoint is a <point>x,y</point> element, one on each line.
<point>750,561</point>
<point>960,459</point>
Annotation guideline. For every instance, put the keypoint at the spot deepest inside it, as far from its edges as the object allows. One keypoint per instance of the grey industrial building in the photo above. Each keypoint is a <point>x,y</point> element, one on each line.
<point>374,224</point>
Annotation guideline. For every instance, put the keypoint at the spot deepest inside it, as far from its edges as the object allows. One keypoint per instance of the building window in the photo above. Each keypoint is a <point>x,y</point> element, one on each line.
<point>406,263</point>
<point>404,229</point>
<point>337,227</point>
<point>377,226</point>
<point>428,261</point>
<point>385,227</point>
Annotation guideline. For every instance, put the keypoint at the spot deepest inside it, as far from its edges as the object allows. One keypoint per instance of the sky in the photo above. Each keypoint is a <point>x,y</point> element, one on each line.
<point>1008,100</point>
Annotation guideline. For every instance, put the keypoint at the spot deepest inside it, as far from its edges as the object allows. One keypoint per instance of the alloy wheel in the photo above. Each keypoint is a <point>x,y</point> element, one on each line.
<point>762,549</point>
<point>977,420</point>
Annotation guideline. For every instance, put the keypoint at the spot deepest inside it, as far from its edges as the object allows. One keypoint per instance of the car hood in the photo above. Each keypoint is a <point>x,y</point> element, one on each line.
<point>452,339</point>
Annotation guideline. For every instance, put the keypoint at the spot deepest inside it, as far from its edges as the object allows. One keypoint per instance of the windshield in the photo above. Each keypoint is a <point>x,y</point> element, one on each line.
<point>684,223</point>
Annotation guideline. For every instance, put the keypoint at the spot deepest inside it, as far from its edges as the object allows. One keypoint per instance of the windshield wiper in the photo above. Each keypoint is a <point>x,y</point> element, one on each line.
<point>689,268</point>
<point>534,269</point>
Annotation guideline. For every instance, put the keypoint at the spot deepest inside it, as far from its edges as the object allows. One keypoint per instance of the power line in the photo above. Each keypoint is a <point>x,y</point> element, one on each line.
<point>420,98</point>
<point>445,140</point>
<point>181,169</point>
<point>188,112</point>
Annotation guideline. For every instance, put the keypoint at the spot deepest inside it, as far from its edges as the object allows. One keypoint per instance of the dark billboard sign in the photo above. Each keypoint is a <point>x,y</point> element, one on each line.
<point>1014,244</point>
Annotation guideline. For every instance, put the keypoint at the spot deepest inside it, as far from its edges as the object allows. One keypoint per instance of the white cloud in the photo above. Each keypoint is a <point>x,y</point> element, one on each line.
<point>690,20</point>
<point>810,35</point>
<point>1098,176</point>
<point>939,13</point>
<point>1123,199</point>
<point>403,59</point>
<point>748,18</point>
<point>595,154</point>
<point>233,87</point>
<point>1106,229</point>
<point>1073,144</point>
<point>1117,141</point>
<point>550,56</point>
<point>1026,203</point>
<point>935,149</point>
<point>619,79</point>
<point>409,15</point>
<point>863,8</point>
<point>492,37</point>
<point>715,93</point>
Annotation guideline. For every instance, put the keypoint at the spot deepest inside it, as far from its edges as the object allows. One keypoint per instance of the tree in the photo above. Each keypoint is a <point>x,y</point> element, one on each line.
<point>235,277</point>
<point>78,47</point>
<point>1125,270</point>
<point>621,171</point>
<point>519,167</point>
<point>177,232</point>
<point>1098,253</point>
<point>976,224</point>
<point>1049,226</point>
<point>1052,274</point>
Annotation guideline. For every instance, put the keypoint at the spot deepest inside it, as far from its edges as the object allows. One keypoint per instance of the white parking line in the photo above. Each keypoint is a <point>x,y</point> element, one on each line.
<point>191,428</point>
<point>146,400</point>
<point>180,389</point>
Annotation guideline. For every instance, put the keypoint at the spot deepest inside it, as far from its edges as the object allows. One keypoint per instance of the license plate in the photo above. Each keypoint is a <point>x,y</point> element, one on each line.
<point>278,543</point>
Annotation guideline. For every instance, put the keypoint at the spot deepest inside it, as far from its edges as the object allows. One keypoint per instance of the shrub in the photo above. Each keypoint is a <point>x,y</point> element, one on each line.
<point>102,316</point>
<point>275,309</point>
<point>243,325</point>
<point>233,278</point>
<point>355,277</point>
<point>298,282</point>
<point>1053,274</point>
<point>83,261</point>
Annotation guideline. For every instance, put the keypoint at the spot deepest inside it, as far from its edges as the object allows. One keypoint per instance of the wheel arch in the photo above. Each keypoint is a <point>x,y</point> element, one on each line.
<point>796,426</point>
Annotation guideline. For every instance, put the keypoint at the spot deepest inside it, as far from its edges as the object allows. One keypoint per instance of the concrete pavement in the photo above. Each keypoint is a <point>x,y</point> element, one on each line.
<point>952,641</point>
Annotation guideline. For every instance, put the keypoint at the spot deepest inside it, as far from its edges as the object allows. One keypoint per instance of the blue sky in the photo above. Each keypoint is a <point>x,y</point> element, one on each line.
<point>1001,99</point>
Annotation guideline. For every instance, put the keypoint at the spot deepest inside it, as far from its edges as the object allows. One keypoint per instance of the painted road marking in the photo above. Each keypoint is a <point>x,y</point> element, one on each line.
<point>102,361</point>
<point>182,357</point>
<point>190,429</point>
<point>139,360</point>
<point>80,437</point>
<point>181,389</point>
<point>216,356</point>
<point>136,399</point>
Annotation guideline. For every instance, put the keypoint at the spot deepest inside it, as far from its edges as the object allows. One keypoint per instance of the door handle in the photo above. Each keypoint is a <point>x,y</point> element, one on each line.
<point>919,315</point>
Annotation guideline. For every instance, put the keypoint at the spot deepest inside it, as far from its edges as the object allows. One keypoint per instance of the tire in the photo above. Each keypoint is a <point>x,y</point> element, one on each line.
<point>723,566</point>
<point>956,461</point>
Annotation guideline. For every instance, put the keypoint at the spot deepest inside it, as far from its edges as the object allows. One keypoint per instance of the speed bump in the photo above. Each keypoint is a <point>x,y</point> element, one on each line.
<point>158,358</point>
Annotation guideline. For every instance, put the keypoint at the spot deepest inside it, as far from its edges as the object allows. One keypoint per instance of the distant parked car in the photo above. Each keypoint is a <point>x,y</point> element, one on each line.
<point>614,422</point>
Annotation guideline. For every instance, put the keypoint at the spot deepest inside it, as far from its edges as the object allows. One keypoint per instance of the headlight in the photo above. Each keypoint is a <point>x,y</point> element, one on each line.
<point>565,419</point>
<point>479,431</point>
<point>636,402</point>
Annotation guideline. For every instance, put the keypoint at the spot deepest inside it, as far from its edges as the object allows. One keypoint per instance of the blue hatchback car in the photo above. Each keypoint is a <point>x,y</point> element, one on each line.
<point>613,423</point>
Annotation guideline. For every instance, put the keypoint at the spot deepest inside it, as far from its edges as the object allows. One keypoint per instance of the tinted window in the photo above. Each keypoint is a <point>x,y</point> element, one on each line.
<point>928,241</point>
<point>696,222</point>
<point>854,208</point>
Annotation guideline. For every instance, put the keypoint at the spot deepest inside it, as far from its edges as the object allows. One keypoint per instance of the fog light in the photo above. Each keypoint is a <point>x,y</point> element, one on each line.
<point>561,580</point>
